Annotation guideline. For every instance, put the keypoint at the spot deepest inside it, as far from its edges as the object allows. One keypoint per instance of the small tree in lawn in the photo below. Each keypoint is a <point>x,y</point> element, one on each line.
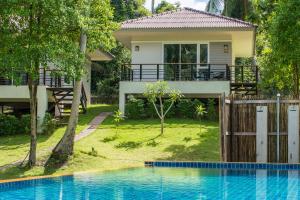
<point>158,91</point>
<point>200,112</point>
<point>118,117</point>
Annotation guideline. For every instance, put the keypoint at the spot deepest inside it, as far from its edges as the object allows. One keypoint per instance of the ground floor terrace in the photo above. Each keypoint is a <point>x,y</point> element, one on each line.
<point>191,79</point>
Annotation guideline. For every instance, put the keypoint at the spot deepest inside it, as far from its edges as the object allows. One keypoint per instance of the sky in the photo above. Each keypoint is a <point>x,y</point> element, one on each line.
<point>196,4</point>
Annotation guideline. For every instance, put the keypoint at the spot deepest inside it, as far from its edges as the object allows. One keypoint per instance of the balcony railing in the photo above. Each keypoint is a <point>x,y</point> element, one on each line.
<point>47,77</point>
<point>189,72</point>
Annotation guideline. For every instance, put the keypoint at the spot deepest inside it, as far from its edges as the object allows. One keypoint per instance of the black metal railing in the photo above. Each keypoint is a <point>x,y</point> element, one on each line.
<point>47,77</point>
<point>189,72</point>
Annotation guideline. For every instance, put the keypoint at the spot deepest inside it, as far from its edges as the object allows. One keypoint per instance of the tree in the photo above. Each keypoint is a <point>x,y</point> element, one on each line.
<point>158,91</point>
<point>215,6</point>
<point>200,112</point>
<point>166,6</point>
<point>95,22</point>
<point>34,34</point>
<point>277,43</point>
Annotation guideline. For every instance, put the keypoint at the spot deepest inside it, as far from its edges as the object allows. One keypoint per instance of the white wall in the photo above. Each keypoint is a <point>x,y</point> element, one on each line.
<point>205,88</point>
<point>21,94</point>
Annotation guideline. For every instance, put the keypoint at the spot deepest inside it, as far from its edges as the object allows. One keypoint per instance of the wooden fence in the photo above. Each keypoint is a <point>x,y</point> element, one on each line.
<point>238,127</point>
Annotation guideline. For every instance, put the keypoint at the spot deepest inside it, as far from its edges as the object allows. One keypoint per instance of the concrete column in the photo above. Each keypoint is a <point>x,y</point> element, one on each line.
<point>293,134</point>
<point>261,134</point>
<point>42,106</point>
<point>122,101</point>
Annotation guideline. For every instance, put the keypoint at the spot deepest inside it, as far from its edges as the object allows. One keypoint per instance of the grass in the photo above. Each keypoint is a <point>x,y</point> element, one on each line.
<point>14,148</point>
<point>135,142</point>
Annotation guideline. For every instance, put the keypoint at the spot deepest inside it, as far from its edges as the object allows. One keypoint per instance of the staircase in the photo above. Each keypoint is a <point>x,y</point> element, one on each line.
<point>63,98</point>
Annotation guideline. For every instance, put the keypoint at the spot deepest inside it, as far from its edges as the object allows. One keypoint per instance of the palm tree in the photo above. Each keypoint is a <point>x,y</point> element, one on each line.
<point>152,6</point>
<point>215,6</point>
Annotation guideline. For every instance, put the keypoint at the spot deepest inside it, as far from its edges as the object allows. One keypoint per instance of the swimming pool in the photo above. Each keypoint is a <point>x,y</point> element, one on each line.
<point>161,183</point>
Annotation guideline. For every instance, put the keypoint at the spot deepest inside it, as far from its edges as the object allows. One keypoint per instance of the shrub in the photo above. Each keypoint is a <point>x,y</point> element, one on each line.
<point>135,108</point>
<point>186,108</point>
<point>197,103</point>
<point>172,110</point>
<point>25,124</point>
<point>211,110</point>
<point>9,125</point>
<point>49,124</point>
<point>150,110</point>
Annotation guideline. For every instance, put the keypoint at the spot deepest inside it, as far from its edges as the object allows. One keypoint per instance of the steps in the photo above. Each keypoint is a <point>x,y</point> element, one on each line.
<point>63,98</point>
<point>243,88</point>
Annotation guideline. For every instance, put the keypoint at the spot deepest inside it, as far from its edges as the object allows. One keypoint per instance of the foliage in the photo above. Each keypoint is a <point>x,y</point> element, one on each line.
<point>129,9</point>
<point>200,111</point>
<point>156,92</point>
<point>211,110</point>
<point>150,110</point>
<point>172,112</point>
<point>278,42</point>
<point>49,124</point>
<point>215,6</point>
<point>9,125</point>
<point>118,118</point>
<point>135,108</point>
<point>185,108</point>
<point>25,124</point>
<point>164,6</point>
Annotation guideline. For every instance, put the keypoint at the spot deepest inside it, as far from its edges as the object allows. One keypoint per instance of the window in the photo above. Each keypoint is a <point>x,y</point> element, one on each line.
<point>203,53</point>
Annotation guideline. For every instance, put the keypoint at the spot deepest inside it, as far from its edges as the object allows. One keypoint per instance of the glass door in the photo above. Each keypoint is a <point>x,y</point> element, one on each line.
<point>203,72</point>
<point>188,61</point>
<point>171,61</point>
<point>180,61</point>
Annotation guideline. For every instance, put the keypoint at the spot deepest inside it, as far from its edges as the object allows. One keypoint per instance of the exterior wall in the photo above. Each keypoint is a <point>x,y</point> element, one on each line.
<point>21,94</point>
<point>217,55</point>
<point>205,88</point>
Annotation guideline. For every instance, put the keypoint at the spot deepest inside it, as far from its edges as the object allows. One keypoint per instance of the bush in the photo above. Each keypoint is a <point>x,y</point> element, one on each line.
<point>9,125</point>
<point>25,124</point>
<point>172,111</point>
<point>49,124</point>
<point>185,108</point>
<point>211,110</point>
<point>197,103</point>
<point>135,108</point>
<point>150,110</point>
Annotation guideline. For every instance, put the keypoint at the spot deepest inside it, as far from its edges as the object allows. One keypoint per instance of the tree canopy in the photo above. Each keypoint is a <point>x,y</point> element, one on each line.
<point>164,6</point>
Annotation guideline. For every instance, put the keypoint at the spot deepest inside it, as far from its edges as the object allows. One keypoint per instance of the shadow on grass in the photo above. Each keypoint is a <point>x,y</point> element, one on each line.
<point>206,148</point>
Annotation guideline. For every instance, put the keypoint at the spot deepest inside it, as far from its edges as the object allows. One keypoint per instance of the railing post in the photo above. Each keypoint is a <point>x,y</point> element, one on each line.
<point>157,71</point>
<point>242,73</point>
<point>131,71</point>
<point>44,76</point>
<point>209,71</point>
<point>191,73</point>
<point>141,73</point>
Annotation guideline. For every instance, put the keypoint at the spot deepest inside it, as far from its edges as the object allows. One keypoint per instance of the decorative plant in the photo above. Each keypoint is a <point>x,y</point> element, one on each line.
<point>200,112</point>
<point>211,110</point>
<point>118,117</point>
<point>158,91</point>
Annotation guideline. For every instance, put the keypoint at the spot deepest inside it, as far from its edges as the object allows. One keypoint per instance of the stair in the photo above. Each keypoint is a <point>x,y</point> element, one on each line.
<point>243,88</point>
<point>63,98</point>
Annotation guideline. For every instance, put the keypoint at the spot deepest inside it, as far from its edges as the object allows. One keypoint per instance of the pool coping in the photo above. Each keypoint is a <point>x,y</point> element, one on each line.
<point>223,165</point>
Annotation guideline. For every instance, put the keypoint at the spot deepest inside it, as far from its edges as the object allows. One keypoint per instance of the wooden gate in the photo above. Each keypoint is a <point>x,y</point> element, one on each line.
<point>238,127</point>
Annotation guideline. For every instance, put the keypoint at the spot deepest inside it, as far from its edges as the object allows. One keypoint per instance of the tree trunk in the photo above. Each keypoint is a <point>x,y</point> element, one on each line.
<point>65,147</point>
<point>32,86</point>
<point>162,121</point>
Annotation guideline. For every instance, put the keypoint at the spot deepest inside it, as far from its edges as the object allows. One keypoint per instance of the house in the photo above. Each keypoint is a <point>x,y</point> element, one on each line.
<point>193,50</point>
<point>54,93</point>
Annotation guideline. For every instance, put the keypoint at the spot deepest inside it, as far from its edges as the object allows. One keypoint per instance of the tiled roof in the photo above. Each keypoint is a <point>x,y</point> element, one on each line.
<point>185,18</point>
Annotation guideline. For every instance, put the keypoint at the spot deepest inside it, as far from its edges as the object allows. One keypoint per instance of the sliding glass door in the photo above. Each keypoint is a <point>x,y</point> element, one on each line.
<point>180,61</point>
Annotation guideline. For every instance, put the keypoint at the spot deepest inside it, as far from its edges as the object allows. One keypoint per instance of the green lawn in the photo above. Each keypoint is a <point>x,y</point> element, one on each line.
<point>14,148</point>
<point>136,142</point>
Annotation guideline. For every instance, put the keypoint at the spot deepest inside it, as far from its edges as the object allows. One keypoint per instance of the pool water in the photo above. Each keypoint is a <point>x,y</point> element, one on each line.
<point>161,183</point>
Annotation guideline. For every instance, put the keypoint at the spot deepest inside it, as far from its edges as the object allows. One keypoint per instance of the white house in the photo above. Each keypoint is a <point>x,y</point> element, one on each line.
<point>193,50</point>
<point>54,93</point>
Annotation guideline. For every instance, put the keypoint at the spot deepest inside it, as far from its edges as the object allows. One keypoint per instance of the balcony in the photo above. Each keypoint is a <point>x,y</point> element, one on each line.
<point>242,79</point>
<point>47,77</point>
